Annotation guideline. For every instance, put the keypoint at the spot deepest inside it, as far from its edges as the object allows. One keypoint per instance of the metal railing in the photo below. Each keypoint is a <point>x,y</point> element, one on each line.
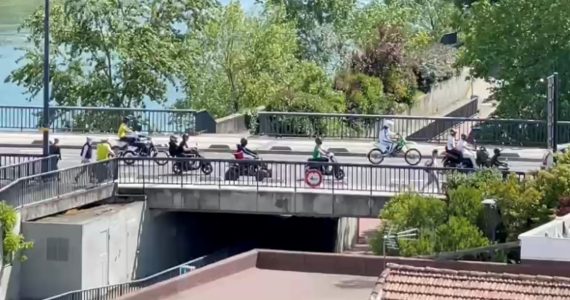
<point>7,159</point>
<point>49,185</point>
<point>271,175</point>
<point>27,168</point>
<point>514,132</point>
<point>105,120</point>
<point>114,291</point>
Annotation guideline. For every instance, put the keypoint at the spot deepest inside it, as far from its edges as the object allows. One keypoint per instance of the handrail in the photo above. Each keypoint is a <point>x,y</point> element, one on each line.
<point>125,287</point>
<point>94,108</point>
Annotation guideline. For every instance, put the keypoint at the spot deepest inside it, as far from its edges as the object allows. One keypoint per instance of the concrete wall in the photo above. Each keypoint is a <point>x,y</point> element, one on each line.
<point>444,96</point>
<point>314,203</point>
<point>347,234</point>
<point>235,123</point>
<point>548,242</point>
<point>42,277</point>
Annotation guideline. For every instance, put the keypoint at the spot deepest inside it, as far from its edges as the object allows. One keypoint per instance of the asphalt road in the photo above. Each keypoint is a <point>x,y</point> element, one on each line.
<point>362,178</point>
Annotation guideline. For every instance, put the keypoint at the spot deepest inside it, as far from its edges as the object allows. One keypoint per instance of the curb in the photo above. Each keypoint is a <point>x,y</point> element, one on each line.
<point>276,150</point>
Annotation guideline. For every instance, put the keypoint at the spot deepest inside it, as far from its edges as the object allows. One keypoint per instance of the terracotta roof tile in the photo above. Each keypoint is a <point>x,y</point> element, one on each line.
<point>400,282</point>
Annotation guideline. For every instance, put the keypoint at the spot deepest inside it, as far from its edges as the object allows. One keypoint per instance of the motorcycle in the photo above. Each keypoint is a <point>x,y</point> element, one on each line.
<point>482,160</point>
<point>325,170</point>
<point>411,154</point>
<point>187,163</point>
<point>245,167</point>
<point>142,147</point>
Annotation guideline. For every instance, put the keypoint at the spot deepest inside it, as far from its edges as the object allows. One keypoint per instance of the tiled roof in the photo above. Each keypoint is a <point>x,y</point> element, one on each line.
<point>400,282</point>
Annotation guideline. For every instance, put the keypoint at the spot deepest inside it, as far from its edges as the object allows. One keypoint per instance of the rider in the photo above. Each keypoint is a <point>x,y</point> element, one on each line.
<point>387,139</point>
<point>247,153</point>
<point>494,162</point>
<point>183,149</point>
<point>451,146</point>
<point>124,131</point>
<point>464,149</point>
<point>173,146</point>
<point>319,154</point>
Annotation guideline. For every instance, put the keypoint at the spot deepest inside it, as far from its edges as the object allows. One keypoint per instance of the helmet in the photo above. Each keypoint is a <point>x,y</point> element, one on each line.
<point>497,151</point>
<point>185,136</point>
<point>318,141</point>
<point>125,119</point>
<point>173,138</point>
<point>388,123</point>
<point>452,132</point>
<point>243,142</point>
<point>463,136</point>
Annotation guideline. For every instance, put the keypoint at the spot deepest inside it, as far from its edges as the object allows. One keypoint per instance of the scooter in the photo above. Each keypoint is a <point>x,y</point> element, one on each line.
<point>145,148</point>
<point>245,167</point>
<point>325,170</point>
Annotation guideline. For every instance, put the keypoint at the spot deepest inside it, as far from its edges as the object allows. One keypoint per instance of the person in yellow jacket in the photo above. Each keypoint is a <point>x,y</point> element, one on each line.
<point>104,151</point>
<point>124,130</point>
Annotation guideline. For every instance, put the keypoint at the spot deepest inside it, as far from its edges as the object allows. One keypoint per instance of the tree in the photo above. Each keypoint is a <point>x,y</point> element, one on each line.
<point>458,234</point>
<point>13,243</point>
<point>240,62</point>
<point>432,16</point>
<point>109,53</point>
<point>465,203</point>
<point>519,43</point>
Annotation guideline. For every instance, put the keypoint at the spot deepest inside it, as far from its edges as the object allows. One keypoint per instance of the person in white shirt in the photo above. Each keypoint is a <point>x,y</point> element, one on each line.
<point>86,156</point>
<point>466,150</point>
<point>451,146</point>
<point>387,139</point>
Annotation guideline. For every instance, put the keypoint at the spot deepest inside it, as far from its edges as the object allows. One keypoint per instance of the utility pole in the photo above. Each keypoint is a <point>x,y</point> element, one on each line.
<point>552,111</point>
<point>45,117</point>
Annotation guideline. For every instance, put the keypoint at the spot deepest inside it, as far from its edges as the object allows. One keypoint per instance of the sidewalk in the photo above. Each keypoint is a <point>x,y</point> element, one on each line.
<point>264,145</point>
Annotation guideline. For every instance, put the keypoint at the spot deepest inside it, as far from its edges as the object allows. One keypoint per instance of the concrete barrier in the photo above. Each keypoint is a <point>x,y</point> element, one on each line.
<point>235,123</point>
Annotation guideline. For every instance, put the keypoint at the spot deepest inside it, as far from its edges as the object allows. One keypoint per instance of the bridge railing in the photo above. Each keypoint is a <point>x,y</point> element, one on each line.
<point>105,120</point>
<point>274,175</point>
<point>115,291</point>
<point>10,173</point>
<point>7,159</point>
<point>50,185</point>
<point>514,132</point>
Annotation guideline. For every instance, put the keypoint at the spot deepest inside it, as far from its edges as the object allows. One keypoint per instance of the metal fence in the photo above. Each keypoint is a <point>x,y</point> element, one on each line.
<point>7,159</point>
<point>105,120</point>
<point>27,168</point>
<point>49,185</point>
<point>421,129</point>
<point>115,291</point>
<point>290,175</point>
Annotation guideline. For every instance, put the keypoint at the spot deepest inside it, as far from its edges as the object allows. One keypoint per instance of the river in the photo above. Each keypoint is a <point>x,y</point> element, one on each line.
<point>12,13</point>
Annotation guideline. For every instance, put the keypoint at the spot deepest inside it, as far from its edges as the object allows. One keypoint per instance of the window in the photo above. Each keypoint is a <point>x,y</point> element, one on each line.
<point>57,249</point>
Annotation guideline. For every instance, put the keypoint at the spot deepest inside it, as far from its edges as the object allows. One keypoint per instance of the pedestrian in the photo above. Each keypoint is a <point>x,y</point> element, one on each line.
<point>104,152</point>
<point>86,155</point>
<point>431,165</point>
<point>54,149</point>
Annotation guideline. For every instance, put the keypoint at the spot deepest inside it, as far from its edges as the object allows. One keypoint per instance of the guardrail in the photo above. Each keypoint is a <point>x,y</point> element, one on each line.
<point>36,188</point>
<point>114,291</point>
<point>7,159</point>
<point>106,120</point>
<point>267,175</point>
<point>514,132</point>
<point>27,168</point>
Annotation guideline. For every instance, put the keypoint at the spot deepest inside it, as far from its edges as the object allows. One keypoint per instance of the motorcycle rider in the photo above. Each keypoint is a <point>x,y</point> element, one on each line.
<point>494,162</point>
<point>124,131</point>
<point>173,146</point>
<point>451,146</point>
<point>463,147</point>
<point>247,153</point>
<point>387,139</point>
<point>319,154</point>
<point>183,149</point>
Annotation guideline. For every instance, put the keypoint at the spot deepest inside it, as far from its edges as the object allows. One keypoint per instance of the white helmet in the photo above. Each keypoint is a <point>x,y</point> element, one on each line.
<point>388,123</point>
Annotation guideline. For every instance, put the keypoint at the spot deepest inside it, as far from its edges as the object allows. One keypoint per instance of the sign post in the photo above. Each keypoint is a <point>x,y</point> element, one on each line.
<point>552,111</point>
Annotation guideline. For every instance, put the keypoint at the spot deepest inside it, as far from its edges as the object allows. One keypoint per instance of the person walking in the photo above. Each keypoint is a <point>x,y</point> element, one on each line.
<point>103,153</point>
<point>431,165</point>
<point>54,149</point>
<point>86,155</point>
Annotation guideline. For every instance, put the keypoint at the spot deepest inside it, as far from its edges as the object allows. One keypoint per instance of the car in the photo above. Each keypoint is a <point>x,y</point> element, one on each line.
<point>548,158</point>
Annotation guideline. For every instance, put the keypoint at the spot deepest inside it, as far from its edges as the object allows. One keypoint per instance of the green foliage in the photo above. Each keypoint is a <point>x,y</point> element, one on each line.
<point>518,43</point>
<point>434,65</point>
<point>465,202</point>
<point>407,211</point>
<point>13,244</point>
<point>480,180</point>
<point>555,183</point>
<point>458,234</point>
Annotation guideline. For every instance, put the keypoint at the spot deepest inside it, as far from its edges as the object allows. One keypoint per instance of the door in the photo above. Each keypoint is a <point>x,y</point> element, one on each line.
<point>104,258</point>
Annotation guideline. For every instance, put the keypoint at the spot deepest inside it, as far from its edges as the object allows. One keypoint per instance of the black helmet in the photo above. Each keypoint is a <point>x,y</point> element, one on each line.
<point>318,141</point>
<point>497,151</point>
<point>125,119</point>
<point>173,138</point>
<point>452,132</point>
<point>185,136</point>
<point>464,136</point>
<point>243,142</point>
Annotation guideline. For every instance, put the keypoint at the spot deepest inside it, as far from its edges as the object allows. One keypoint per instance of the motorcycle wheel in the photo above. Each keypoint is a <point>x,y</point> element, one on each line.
<point>207,168</point>
<point>339,174</point>
<point>375,156</point>
<point>413,157</point>
<point>260,175</point>
<point>176,168</point>
<point>232,174</point>
<point>126,156</point>
<point>160,154</point>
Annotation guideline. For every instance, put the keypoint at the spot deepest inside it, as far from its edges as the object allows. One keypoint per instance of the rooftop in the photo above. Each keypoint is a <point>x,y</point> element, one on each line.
<point>426,283</point>
<point>269,274</point>
<point>83,216</point>
<point>558,228</point>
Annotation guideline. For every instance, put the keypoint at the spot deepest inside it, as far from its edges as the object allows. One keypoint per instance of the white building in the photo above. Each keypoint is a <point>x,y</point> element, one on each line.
<point>549,242</point>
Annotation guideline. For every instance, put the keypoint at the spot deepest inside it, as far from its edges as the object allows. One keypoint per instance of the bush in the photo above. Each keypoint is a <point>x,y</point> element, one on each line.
<point>458,234</point>
<point>13,244</point>
<point>479,180</point>
<point>554,183</point>
<point>465,202</point>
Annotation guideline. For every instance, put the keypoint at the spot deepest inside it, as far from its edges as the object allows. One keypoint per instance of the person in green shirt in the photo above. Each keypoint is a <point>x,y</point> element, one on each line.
<point>104,151</point>
<point>319,154</point>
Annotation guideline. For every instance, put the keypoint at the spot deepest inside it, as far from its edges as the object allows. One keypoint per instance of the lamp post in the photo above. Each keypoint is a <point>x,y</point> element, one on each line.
<point>45,118</point>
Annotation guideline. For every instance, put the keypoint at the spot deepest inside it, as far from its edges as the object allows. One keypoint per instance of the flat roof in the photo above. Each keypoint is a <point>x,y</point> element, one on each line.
<point>83,216</point>
<point>259,284</point>
<point>271,274</point>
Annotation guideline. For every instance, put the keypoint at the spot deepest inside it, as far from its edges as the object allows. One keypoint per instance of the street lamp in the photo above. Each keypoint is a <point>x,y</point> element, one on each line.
<point>45,119</point>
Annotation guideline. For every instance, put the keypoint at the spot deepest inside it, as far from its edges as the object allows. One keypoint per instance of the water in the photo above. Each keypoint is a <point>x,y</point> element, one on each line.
<point>12,13</point>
